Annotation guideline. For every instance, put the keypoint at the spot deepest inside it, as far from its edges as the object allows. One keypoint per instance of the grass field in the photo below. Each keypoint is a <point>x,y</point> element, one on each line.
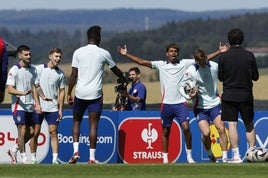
<point>199,170</point>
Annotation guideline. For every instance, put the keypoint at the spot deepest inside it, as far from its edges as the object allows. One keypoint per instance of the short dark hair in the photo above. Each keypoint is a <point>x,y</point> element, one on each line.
<point>94,32</point>
<point>235,36</point>
<point>173,45</point>
<point>136,69</point>
<point>23,48</point>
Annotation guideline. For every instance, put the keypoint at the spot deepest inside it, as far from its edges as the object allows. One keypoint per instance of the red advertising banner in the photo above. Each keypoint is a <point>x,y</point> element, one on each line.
<point>140,140</point>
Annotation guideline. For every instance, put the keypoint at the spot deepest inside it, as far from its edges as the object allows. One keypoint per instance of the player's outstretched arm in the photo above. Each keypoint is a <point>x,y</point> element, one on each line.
<point>138,60</point>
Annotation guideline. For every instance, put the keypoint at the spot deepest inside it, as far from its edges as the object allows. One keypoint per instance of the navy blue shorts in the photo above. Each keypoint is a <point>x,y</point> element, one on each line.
<point>174,111</point>
<point>80,106</point>
<point>51,117</point>
<point>25,118</point>
<point>207,114</point>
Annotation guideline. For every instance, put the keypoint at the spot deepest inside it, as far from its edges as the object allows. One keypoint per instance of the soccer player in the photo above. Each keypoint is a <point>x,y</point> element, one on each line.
<point>171,73</point>
<point>87,69</point>
<point>206,101</point>
<point>23,85</point>
<point>237,70</point>
<point>52,81</point>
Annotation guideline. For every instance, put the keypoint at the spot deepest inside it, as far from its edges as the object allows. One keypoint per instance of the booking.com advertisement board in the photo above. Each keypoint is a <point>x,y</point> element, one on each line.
<point>126,137</point>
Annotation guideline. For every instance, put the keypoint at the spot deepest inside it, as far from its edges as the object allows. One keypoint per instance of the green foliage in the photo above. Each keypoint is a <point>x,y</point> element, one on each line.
<point>190,34</point>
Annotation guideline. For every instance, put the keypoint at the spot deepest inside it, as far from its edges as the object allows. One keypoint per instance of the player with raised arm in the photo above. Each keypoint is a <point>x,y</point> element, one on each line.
<point>171,72</point>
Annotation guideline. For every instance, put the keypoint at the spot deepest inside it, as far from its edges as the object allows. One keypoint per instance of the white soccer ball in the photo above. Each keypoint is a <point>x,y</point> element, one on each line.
<point>250,155</point>
<point>259,154</point>
<point>189,85</point>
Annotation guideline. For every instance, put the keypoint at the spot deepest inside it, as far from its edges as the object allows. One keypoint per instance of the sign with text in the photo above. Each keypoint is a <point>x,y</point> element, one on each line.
<point>140,140</point>
<point>127,137</point>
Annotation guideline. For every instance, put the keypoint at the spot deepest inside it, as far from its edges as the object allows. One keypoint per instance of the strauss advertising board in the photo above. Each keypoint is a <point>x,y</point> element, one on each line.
<point>126,137</point>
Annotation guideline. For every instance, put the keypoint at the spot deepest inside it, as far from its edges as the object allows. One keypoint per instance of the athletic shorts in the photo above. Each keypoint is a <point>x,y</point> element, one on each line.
<point>80,106</point>
<point>25,118</point>
<point>230,111</point>
<point>207,114</point>
<point>174,111</point>
<point>51,117</point>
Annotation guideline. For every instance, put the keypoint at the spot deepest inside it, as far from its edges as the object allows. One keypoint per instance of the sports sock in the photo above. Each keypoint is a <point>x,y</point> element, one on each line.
<point>23,156</point>
<point>15,148</point>
<point>33,156</point>
<point>55,156</point>
<point>92,153</point>
<point>76,146</point>
<point>189,152</point>
<point>224,155</point>
<point>165,157</point>
<point>236,152</point>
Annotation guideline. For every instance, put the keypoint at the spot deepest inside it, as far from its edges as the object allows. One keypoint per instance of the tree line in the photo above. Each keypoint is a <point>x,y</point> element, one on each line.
<point>150,44</point>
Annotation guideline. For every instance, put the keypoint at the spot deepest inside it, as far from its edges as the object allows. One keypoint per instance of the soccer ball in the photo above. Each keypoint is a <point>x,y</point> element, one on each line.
<point>259,154</point>
<point>189,85</point>
<point>187,88</point>
<point>250,155</point>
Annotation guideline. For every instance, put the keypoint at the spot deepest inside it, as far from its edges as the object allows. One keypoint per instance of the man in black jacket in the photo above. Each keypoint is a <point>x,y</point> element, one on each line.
<point>237,70</point>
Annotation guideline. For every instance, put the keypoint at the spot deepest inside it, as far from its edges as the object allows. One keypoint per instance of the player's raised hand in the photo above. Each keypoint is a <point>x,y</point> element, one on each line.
<point>122,51</point>
<point>224,48</point>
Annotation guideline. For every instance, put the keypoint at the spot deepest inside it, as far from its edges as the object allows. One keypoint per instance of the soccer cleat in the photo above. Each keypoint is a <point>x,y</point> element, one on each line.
<point>33,161</point>
<point>236,160</point>
<point>165,161</point>
<point>74,158</point>
<point>93,162</point>
<point>13,156</point>
<point>25,161</point>
<point>212,159</point>
<point>190,160</point>
<point>56,161</point>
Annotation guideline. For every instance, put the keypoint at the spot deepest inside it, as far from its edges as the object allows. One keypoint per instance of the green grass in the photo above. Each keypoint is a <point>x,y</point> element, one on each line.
<point>199,170</point>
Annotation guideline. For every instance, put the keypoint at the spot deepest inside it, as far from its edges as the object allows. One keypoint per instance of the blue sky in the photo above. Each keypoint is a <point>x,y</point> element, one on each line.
<point>185,5</point>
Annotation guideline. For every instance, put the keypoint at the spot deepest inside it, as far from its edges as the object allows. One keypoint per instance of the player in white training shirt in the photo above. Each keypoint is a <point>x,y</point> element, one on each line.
<point>87,72</point>
<point>207,101</point>
<point>23,85</point>
<point>52,81</point>
<point>171,72</point>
